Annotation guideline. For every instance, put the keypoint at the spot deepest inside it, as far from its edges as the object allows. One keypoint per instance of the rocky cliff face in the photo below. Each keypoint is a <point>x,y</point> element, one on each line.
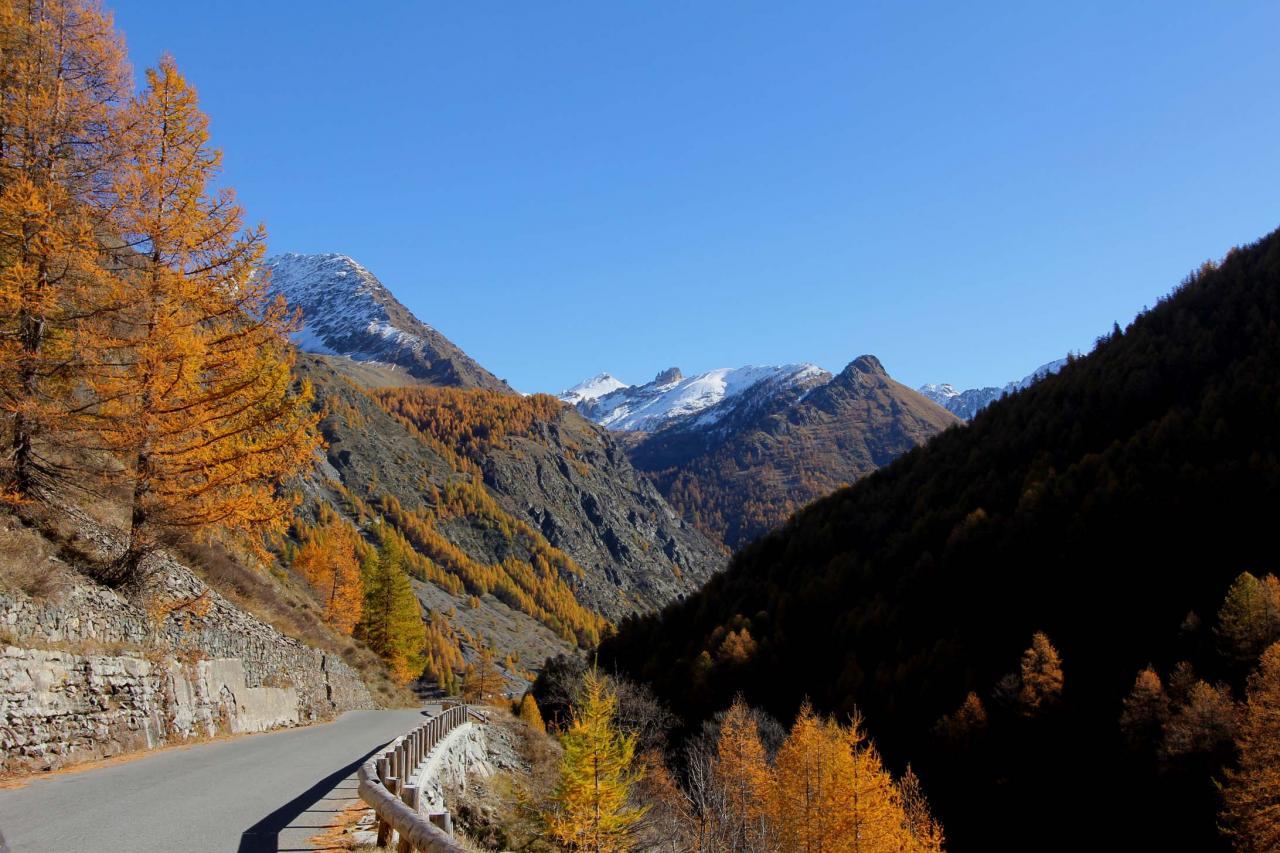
<point>967,403</point>
<point>567,478</point>
<point>575,484</point>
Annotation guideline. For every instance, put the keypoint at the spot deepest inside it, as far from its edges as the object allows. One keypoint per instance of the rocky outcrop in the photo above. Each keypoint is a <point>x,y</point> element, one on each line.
<point>463,752</point>
<point>573,482</point>
<point>89,674</point>
<point>568,478</point>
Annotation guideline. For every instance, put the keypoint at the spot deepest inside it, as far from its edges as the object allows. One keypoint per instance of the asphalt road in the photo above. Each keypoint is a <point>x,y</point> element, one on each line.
<point>253,794</point>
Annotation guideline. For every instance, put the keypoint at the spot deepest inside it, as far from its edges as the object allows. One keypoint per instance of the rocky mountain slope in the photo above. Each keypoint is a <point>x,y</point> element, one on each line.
<point>965,404</point>
<point>737,451</point>
<point>526,522</point>
<point>348,311</point>
<point>747,472</point>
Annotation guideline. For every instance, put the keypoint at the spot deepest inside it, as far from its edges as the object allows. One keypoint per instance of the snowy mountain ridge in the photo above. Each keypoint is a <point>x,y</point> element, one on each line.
<point>703,399</point>
<point>967,403</point>
<point>347,311</point>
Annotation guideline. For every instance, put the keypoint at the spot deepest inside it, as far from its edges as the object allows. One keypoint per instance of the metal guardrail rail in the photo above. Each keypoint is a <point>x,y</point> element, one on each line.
<point>384,785</point>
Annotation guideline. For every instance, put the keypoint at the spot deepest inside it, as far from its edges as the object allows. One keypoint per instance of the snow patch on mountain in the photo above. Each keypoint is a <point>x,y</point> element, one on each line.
<point>967,403</point>
<point>342,303</point>
<point>705,398</point>
<point>592,389</point>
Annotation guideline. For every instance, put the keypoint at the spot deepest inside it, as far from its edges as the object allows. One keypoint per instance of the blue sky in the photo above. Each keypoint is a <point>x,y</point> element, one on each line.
<point>964,190</point>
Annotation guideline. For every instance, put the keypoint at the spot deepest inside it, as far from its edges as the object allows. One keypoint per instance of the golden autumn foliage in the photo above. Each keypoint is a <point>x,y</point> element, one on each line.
<point>590,809</point>
<point>1251,795</point>
<point>62,76</point>
<point>539,587</point>
<point>825,791</point>
<point>481,681</point>
<point>329,560</point>
<point>1041,676</point>
<point>469,421</point>
<point>1146,709</point>
<point>199,395</point>
<point>742,775</point>
<point>137,349</point>
<point>530,714</point>
<point>442,653</point>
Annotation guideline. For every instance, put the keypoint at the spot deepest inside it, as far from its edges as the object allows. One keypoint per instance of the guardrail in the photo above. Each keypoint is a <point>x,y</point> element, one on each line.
<point>386,785</point>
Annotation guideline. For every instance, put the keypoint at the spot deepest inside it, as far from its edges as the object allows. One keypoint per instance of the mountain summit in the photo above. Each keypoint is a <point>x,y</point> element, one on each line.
<point>672,396</point>
<point>737,450</point>
<point>347,311</point>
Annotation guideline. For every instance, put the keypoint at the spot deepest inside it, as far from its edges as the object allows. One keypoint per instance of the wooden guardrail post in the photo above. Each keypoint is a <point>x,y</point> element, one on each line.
<point>410,796</point>
<point>385,785</point>
<point>444,820</point>
<point>384,829</point>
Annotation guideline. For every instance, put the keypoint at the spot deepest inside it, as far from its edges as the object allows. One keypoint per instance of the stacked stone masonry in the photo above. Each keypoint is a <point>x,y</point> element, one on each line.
<point>88,674</point>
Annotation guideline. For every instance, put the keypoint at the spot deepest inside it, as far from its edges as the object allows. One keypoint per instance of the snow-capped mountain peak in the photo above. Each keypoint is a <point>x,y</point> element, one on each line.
<point>672,396</point>
<point>347,311</point>
<point>591,389</point>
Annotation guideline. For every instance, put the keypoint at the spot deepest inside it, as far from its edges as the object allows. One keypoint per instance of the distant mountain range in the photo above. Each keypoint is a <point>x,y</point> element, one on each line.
<point>734,451</point>
<point>965,404</point>
<point>737,450</point>
<point>704,399</point>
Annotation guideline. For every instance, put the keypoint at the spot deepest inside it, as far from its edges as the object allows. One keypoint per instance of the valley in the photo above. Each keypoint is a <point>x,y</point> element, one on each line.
<point>301,550</point>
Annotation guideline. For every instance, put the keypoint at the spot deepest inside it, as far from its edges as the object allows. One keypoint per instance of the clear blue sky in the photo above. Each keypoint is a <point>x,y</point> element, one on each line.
<point>964,189</point>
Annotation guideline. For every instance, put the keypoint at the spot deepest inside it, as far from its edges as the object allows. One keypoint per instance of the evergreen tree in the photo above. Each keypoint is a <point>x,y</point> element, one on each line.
<point>1249,619</point>
<point>530,714</point>
<point>391,622</point>
<point>1251,796</point>
<point>591,810</point>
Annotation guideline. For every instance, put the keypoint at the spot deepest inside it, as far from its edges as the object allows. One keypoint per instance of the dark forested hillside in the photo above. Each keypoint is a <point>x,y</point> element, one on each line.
<point>1109,506</point>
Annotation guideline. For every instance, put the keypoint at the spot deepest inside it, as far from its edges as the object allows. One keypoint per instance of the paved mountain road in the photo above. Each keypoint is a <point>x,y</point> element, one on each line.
<point>254,794</point>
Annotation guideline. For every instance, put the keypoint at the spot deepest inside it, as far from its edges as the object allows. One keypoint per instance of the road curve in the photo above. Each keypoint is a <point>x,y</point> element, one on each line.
<point>231,796</point>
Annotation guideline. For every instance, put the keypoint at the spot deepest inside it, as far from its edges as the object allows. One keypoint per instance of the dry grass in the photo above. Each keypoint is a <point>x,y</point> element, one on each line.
<point>28,561</point>
<point>337,836</point>
<point>502,812</point>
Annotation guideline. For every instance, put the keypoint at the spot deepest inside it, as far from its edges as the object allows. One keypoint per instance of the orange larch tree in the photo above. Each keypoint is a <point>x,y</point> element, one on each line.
<point>1251,796</point>
<point>62,76</point>
<point>200,399</point>
<point>742,773</point>
<point>330,563</point>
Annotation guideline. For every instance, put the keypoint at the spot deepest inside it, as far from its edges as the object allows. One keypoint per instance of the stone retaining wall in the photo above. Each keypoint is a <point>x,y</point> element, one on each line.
<point>89,674</point>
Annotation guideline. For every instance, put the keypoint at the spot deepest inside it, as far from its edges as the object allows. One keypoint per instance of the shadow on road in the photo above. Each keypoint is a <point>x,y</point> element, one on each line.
<point>264,836</point>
